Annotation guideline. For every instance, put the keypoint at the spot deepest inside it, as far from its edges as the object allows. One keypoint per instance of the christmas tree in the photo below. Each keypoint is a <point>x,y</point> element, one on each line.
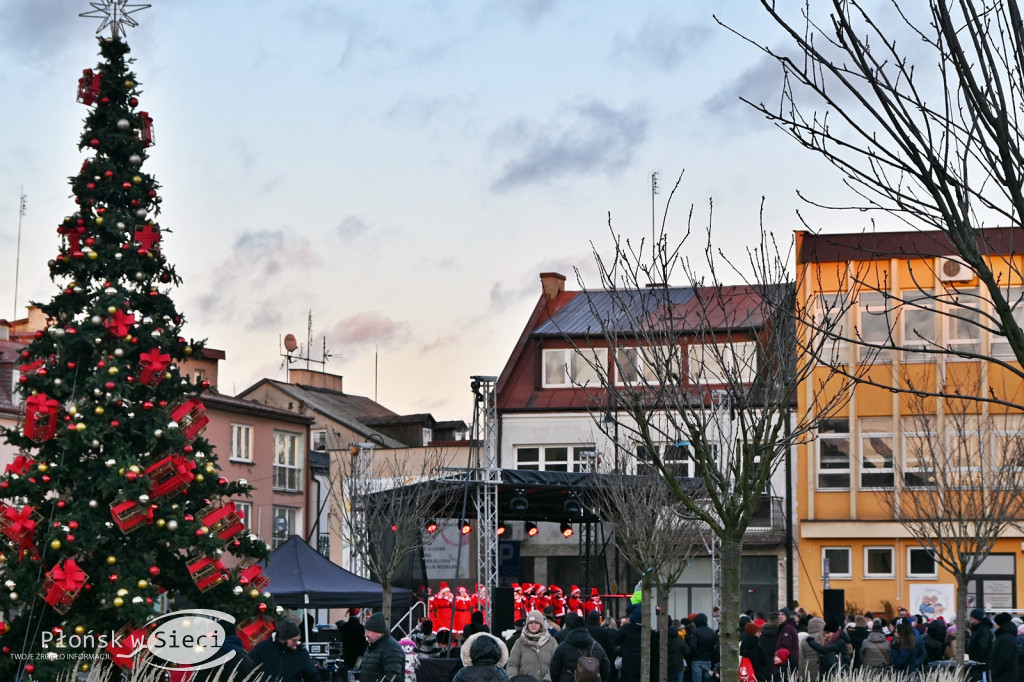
<point>115,510</point>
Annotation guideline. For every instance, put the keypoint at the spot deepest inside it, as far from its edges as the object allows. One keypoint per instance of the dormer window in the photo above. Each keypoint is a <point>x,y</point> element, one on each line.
<point>568,367</point>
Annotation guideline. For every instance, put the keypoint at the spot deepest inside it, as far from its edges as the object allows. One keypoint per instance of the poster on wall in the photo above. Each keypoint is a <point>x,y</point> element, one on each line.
<point>442,555</point>
<point>933,600</point>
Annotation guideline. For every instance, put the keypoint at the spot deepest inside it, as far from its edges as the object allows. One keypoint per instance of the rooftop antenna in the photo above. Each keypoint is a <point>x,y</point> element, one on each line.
<point>654,219</point>
<point>291,345</point>
<point>17,251</point>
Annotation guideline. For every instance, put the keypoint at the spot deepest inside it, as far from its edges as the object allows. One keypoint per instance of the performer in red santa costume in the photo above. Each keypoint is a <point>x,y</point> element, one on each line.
<point>463,608</point>
<point>540,599</point>
<point>575,603</point>
<point>441,608</point>
<point>520,604</point>
<point>557,602</point>
<point>594,603</point>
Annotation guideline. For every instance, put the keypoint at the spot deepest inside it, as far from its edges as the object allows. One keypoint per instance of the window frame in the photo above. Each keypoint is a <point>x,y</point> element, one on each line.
<point>685,460</point>
<point>574,460</point>
<point>865,314</point>
<point>832,575</point>
<point>314,435</point>
<point>865,435</point>
<point>833,471</point>
<point>916,304</point>
<point>245,506</point>
<point>956,304</point>
<point>294,516</point>
<point>907,470</point>
<point>999,347</point>
<point>249,437</point>
<point>934,575</point>
<point>571,375</point>
<point>892,562</point>
<point>836,325</point>
<point>743,366</point>
<point>284,471</point>
<point>644,364</point>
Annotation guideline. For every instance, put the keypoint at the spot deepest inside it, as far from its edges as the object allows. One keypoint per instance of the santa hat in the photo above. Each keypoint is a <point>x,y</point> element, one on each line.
<point>516,587</point>
<point>528,588</point>
<point>574,590</point>
<point>539,588</point>
<point>594,592</point>
<point>444,586</point>
<point>554,588</point>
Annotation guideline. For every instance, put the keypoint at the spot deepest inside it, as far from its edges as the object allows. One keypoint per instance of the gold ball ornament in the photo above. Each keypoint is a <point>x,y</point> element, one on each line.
<point>143,584</point>
<point>188,350</point>
<point>43,467</point>
<point>134,468</point>
<point>137,179</point>
<point>254,593</point>
<point>99,220</point>
<point>80,426</point>
<point>85,667</point>
<point>129,83</point>
<point>111,560</point>
<point>200,478</point>
<point>79,629</point>
<point>72,410</point>
<point>111,309</point>
<point>118,602</point>
<point>55,544</point>
<point>210,468</point>
<point>93,255</point>
<point>112,371</point>
<point>160,523</point>
<point>122,592</point>
<point>99,409</point>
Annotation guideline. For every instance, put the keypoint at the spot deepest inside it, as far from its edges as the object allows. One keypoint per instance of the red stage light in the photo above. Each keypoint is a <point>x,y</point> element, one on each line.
<point>566,530</point>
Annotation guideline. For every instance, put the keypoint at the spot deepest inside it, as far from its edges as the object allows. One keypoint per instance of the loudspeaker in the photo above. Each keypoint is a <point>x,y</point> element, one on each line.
<point>502,609</point>
<point>834,603</point>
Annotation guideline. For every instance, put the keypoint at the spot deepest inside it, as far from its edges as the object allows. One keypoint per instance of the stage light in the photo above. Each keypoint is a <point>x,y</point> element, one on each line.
<point>502,529</point>
<point>566,530</point>
<point>466,528</point>
<point>431,526</point>
<point>394,527</point>
<point>531,529</point>
<point>573,507</point>
<point>519,504</point>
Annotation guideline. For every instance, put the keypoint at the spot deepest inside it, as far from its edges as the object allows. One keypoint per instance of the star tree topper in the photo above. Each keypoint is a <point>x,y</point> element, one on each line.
<point>116,14</point>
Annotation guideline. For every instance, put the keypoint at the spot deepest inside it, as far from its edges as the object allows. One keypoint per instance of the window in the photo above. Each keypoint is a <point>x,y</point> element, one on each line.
<point>963,448</point>
<point>832,328</point>
<point>647,364</point>
<point>567,367</point>
<point>428,435</point>
<point>919,454</point>
<point>834,453</point>
<point>1007,442</point>
<point>287,461</point>
<point>286,524</point>
<point>245,511</point>
<point>676,457</point>
<point>875,328</point>
<point>876,470</point>
<point>1000,347</point>
<point>836,562</point>
<point>319,438</point>
<point>723,363</point>
<point>878,562</point>
<point>241,443</point>
<point>963,320</point>
<point>555,458</point>
<point>921,563</point>
<point>200,375</point>
<point>919,324</point>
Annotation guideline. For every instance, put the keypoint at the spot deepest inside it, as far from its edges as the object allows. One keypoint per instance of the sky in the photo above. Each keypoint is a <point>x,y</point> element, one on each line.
<point>401,171</point>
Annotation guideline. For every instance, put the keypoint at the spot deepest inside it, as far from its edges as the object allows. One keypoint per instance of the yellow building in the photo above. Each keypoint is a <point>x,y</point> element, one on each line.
<point>907,313</point>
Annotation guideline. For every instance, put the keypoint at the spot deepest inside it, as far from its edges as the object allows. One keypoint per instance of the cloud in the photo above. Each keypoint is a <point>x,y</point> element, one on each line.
<point>528,12</point>
<point>38,29</point>
<point>366,329</point>
<point>762,82</point>
<point>588,138</point>
<point>660,43</point>
<point>351,228</point>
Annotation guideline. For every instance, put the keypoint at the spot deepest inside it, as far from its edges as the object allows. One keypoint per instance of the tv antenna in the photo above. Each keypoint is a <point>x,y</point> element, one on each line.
<point>304,354</point>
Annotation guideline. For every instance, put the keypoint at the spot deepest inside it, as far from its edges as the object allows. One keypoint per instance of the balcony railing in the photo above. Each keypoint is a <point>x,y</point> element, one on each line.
<point>769,517</point>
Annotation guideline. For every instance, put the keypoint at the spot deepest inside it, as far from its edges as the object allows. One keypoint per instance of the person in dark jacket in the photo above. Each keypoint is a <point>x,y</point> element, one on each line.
<point>907,653</point>
<point>750,648</point>
<point>935,641</point>
<point>626,643</point>
<point>1002,662</point>
<point>979,643</point>
<point>384,660</point>
<point>484,657</point>
<point>833,651</point>
<point>673,652</point>
<point>703,648</point>
<point>426,640</point>
<point>769,637</point>
<point>353,639</point>
<point>605,637</point>
<point>789,640</point>
<point>239,664</point>
<point>858,633</point>
<point>475,625</point>
<point>577,643</point>
<point>282,658</point>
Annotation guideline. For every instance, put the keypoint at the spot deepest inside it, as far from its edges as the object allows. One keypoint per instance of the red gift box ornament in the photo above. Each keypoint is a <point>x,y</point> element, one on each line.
<point>18,526</point>
<point>40,417</point>
<point>254,630</point>
<point>207,573</point>
<point>119,324</point>
<point>170,476</point>
<point>221,518</point>
<point>128,646</point>
<point>62,585</point>
<point>147,238</point>
<point>20,466</point>
<point>146,129</point>
<point>73,234</point>
<point>253,578</point>
<point>31,368</point>
<point>154,366</point>
<point>130,515</point>
<point>191,418</point>
<point>89,87</point>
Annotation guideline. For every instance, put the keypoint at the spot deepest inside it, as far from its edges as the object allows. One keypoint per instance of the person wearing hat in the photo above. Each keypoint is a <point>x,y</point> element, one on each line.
<point>574,604</point>
<point>594,603</point>
<point>283,658</point>
<point>833,651</point>
<point>1002,662</point>
<point>789,641</point>
<point>531,654</point>
<point>484,657</point>
<point>750,649</point>
<point>577,644</point>
<point>979,643</point>
<point>704,648</point>
<point>384,660</point>
<point>441,605</point>
<point>353,639</point>
<point>520,604</point>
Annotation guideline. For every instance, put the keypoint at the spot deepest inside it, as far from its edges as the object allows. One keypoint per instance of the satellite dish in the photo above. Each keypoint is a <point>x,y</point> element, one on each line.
<point>290,344</point>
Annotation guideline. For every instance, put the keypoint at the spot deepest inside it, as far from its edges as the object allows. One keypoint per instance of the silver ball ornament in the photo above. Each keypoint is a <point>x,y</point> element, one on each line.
<point>123,124</point>
<point>172,525</point>
<point>135,159</point>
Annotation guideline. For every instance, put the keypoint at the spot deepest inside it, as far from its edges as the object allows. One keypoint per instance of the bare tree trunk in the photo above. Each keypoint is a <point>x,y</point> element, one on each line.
<point>385,601</point>
<point>961,619</point>
<point>663,634</point>
<point>731,553</point>
<point>645,633</point>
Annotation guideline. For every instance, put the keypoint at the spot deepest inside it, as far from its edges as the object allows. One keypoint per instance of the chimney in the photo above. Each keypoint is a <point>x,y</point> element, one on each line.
<point>552,284</point>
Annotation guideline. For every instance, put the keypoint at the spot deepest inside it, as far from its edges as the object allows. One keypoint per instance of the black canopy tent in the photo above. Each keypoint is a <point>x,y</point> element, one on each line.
<point>301,578</point>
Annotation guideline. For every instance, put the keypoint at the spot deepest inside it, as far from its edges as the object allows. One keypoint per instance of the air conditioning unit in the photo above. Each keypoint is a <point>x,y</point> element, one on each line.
<point>954,270</point>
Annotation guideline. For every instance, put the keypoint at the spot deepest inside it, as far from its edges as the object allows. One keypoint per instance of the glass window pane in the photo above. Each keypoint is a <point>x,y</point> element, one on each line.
<point>922,562</point>
<point>528,454</point>
<point>879,561</point>
<point>838,560</point>
<point>626,365</point>
<point>554,368</point>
